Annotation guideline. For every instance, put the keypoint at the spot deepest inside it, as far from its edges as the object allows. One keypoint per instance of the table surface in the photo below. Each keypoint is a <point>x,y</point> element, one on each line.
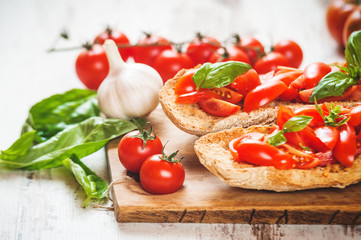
<point>46,204</point>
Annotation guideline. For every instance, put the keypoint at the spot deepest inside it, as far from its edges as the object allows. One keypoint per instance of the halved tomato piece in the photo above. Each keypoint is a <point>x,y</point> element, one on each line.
<point>195,97</point>
<point>233,145</point>
<point>328,135</point>
<point>311,111</point>
<point>246,82</point>
<point>218,107</point>
<point>228,95</point>
<point>185,83</point>
<point>355,116</point>
<point>283,115</point>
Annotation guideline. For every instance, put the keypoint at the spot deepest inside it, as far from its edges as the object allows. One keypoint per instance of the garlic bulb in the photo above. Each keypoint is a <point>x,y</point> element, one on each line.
<point>129,90</point>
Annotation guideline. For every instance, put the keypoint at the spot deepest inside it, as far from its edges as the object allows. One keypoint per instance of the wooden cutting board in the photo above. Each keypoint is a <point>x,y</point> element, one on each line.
<point>206,199</point>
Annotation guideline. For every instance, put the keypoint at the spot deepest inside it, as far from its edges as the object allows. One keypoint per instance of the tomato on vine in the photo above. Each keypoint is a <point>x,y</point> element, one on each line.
<point>201,48</point>
<point>251,46</point>
<point>230,53</point>
<point>270,62</point>
<point>291,50</point>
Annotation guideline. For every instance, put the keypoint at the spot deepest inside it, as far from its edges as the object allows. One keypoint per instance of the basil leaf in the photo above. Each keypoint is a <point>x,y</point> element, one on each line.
<point>19,147</point>
<point>353,50</point>
<point>54,114</point>
<point>297,123</point>
<point>333,84</point>
<point>219,74</point>
<point>94,186</point>
<point>81,139</point>
<point>277,138</point>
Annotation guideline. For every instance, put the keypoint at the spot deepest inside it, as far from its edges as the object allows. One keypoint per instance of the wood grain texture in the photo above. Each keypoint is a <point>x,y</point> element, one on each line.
<point>205,199</point>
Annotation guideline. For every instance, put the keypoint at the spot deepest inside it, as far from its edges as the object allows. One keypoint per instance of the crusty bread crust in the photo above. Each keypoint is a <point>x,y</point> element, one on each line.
<point>213,152</point>
<point>192,119</point>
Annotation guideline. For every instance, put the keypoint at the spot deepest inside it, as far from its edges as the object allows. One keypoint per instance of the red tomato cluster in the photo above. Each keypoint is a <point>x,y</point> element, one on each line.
<point>142,152</point>
<point>168,58</point>
<point>343,17</point>
<point>318,144</point>
<point>284,84</point>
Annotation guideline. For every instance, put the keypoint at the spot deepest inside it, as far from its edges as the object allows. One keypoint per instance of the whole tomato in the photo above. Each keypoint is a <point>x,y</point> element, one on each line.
<point>169,62</point>
<point>201,48</point>
<point>291,50</point>
<point>150,47</point>
<point>251,46</point>
<point>118,37</point>
<point>92,66</point>
<point>270,62</point>
<point>230,53</point>
<point>161,174</point>
<point>338,22</point>
<point>136,146</point>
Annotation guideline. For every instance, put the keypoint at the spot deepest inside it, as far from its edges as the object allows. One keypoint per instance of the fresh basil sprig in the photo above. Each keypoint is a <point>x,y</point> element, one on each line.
<point>334,113</point>
<point>219,74</point>
<point>335,83</point>
<point>294,124</point>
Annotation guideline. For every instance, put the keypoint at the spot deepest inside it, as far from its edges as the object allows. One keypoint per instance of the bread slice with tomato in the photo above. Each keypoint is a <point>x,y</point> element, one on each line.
<point>258,158</point>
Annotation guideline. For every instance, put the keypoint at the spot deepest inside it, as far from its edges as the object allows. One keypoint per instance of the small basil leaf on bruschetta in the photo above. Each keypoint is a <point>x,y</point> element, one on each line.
<point>219,74</point>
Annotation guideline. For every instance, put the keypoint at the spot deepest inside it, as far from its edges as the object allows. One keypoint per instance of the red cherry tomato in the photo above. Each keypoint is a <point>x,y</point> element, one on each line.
<point>290,94</point>
<point>298,83</point>
<point>261,153</point>
<point>283,115</point>
<point>312,141</point>
<point>169,62</point>
<point>337,13</point>
<point>314,72</point>
<point>230,53</point>
<point>345,148</point>
<point>233,144</point>
<point>353,23</point>
<point>355,116</point>
<point>92,66</point>
<point>153,45</point>
<point>309,162</point>
<point>158,176</point>
<point>291,50</point>
<point>287,78</point>
<point>326,158</point>
<point>246,82</point>
<point>251,46</point>
<point>223,93</point>
<point>119,38</point>
<point>270,62</point>
<point>263,94</point>
<point>131,152</point>
<point>201,49</point>
<point>305,94</point>
<point>185,83</point>
<point>218,107</point>
<point>311,111</point>
<point>328,135</point>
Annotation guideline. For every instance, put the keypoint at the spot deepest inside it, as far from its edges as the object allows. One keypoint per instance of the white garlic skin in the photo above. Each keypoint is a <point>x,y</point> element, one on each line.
<point>130,90</point>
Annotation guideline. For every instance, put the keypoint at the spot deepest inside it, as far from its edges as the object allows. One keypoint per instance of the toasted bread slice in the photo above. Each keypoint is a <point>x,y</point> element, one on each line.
<point>212,151</point>
<point>193,120</point>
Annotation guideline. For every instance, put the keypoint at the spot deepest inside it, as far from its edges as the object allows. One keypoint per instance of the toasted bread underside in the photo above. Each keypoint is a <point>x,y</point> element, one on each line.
<point>193,120</point>
<point>212,151</point>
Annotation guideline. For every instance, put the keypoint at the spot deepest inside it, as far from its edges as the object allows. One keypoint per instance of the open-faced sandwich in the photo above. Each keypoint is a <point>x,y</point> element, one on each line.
<point>310,147</point>
<point>223,95</point>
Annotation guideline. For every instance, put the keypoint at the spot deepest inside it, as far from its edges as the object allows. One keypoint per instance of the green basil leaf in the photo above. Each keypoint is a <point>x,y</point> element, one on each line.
<point>93,185</point>
<point>19,147</point>
<point>219,74</point>
<point>297,123</point>
<point>277,138</point>
<point>333,84</point>
<point>353,50</point>
<point>81,139</point>
<point>54,114</point>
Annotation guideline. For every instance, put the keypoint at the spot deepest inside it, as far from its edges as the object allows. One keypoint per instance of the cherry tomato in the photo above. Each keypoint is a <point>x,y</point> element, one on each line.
<point>263,154</point>
<point>251,46</point>
<point>287,78</point>
<point>201,48</point>
<point>308,162</point>
<point>290,94</point>
<point>185,83</point>
<point>326,158</point>
<point>353,23</point>
<point>314,72</point>
<point>270,62</point>
<point>312,141</point>
<point>158,176</point>
<point>119,38</point>
<point>246,82</point>
<point>345,148</point>
<point>283,115</point>
<point>305,94</point>
<point>153,45</point>
<point>230,53</point>
<point>263,94</point>
<point>92,66</point>
<point>298,83</point>
<point>218,107</point>
<point>311,111</point>
<point>337,13</point>
<point>169,62</point>
<point>291,50</point>
<point>355,116</point>
<point>328,135</point>
<point>132,152</point>
<point>296,139</point>
<point>196,96</point>
<point>233,144</point>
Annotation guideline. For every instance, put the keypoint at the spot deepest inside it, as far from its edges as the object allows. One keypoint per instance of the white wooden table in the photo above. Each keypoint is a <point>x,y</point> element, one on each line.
<point>46,204</point>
